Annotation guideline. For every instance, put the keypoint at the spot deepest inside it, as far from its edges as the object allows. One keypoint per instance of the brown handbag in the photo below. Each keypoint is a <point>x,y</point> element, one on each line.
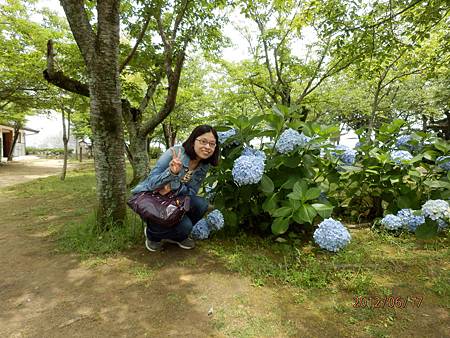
<point>164,210</point>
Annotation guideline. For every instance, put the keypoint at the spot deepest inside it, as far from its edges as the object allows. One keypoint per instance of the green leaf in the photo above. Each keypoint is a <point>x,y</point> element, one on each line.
<point>437,184</point>
<point>323,210</point>
<point>270,204</point>
<point>280,226</point>
<point>427,230</point>
<point>312,194</point>
<point>430,155</point>
<point>266,184</point>
<point>414,172</point>
<point>442,146</point>
<point>300,188</point>
<point>292,162</point>
<point>403,202</point>
<point>256,119</point>
<point>294,196</point>
<point>305,213</point>
<point>230,218</point>
<point>282,212</point>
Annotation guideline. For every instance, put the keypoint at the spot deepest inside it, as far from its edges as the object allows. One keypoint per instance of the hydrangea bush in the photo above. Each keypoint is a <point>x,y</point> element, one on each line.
<point>278,185</point>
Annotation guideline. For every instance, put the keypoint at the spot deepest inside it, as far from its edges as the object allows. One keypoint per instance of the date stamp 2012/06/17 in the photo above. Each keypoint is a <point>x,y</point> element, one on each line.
<point>383,302</point>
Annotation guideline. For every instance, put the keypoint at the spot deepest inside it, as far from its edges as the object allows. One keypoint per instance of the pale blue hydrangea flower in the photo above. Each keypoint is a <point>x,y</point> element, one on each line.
<point>304,139</point>
<point>247,170</point>
<point>348,155</point>
<point>248,151</point>
<point>224,135</point>
<point>289,140</point>
<point>331,235</point>
<point>442,224</point>
<point>409,220</point>
<point>403,141</point>
<point>200,230</point>
<point>209,193</point>
<point>391,222</point>
<point>443,162</point>
<point>401,155</point>
<point>215,220</point>
<point>436,209</point>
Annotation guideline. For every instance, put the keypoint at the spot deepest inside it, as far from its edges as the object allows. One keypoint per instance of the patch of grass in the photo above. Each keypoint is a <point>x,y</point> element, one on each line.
<point>82,237</point>
<point>187,262</point>
<point>142,273</point>
<point>93,262</point>
<point>441,287</point>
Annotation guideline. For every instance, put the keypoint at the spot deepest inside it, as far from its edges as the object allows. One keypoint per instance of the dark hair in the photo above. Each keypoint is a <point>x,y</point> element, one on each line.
<point>188,145</point>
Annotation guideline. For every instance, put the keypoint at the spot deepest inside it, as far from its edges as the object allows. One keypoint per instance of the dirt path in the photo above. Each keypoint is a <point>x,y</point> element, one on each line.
<point>29,168</point>
<point>135,294</point>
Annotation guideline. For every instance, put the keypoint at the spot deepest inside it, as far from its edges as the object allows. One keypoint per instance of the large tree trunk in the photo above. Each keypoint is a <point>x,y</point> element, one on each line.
<point>108,140</point>
<point>100,50</point>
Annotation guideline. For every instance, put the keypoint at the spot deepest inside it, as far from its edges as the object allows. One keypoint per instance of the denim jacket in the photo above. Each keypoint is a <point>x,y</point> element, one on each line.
<point>161,175</point>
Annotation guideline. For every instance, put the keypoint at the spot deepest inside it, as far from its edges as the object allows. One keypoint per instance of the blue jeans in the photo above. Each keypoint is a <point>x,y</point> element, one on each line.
<point>181,231</point>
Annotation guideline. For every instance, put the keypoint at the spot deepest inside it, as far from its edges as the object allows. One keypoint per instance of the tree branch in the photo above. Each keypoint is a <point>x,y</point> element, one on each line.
<point>167,46</point>
<point>179,18</point>
<point>81,28</point>
<point>150,92</point>
<point>59,79</point>
<point>138,41</point>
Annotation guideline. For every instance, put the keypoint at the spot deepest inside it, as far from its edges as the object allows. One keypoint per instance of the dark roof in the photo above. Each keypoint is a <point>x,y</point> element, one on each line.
<point>23,128</point>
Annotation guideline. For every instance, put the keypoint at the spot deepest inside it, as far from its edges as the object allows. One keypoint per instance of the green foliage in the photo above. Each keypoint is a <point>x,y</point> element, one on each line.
<point>310,183</point>
<point>154,152</point>
<point>289,192</point>
<point>47,151</point>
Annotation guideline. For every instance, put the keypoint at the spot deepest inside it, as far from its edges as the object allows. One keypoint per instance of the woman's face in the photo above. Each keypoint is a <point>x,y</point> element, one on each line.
<point>205,145</point>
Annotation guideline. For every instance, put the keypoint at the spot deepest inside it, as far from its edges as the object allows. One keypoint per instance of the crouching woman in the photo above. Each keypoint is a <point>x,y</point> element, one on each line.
<point>182,169</point>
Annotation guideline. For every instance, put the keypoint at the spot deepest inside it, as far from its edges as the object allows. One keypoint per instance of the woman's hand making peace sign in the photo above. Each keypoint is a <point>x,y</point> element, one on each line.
<point>175,164</point>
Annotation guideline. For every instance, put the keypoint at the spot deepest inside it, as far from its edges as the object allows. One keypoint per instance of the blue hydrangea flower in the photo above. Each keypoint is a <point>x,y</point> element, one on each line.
<point>443,162</point>
<point>391,222</point>
<point>247,170</point>
<point>442,224</point>
<point>403,141</point>
<point>348,155</point>
<point>409,220</point>
<point>331,235</point>
<point>248,151</point>
<point>289,140</point>
<point>224,135</point>
<point>436,209</point>
<point>215,220</point>
<point>200,230</point>
<point>209,193</point>
<point>401,155</point>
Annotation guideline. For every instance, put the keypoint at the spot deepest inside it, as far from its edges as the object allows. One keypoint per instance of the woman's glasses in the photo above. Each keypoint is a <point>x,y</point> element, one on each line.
<point>204,142</point>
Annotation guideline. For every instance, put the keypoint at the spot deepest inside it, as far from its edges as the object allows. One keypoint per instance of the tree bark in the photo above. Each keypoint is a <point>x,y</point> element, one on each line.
<point>140,163</point>
<point>170,134</point>
<point>100,51</point>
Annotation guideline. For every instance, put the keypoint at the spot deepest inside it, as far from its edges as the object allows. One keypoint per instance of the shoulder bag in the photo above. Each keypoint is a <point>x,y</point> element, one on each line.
<point>164,210</point>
